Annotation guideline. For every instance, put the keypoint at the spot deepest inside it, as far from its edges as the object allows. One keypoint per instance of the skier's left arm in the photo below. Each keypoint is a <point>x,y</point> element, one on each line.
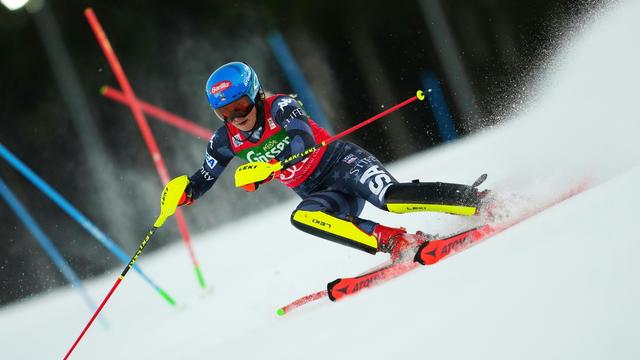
<point>291,116</point>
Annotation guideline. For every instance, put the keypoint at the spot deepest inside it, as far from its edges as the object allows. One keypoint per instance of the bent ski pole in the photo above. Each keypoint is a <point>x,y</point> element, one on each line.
<point>168,205</point>
<point>249,174</point>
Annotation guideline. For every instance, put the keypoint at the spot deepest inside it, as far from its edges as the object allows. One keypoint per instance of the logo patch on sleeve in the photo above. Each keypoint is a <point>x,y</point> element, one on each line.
<point>211,162</point>
<point>284,102</point>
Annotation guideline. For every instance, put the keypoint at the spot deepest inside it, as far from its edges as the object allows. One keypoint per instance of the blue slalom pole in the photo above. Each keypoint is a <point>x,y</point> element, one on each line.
<point>46,244</point>
<point>296,78</point>
<point>438,104</point>
<point>77,216</point>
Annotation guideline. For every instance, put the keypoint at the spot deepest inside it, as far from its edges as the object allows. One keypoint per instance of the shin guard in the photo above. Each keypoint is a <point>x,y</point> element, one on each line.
<point>432,196</point>
<point>332,228</point>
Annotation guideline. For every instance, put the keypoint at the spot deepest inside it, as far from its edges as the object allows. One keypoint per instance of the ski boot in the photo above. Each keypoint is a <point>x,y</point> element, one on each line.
<point>396,242</point>
<point>491,208</point>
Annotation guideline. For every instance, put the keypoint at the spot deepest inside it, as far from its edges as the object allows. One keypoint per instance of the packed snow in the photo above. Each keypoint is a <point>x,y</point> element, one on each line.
<point>561,285</point>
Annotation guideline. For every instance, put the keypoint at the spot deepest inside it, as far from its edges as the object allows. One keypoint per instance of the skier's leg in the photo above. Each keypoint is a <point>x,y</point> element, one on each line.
<point>363,175</point>
<point>332,215</point>
<point>333,212</point>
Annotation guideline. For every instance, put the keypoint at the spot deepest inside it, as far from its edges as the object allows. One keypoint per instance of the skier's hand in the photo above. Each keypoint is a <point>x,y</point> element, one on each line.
<point>254,186</point>
<point>187,197</point>
<point>170,198</point>
<point>273,174</point>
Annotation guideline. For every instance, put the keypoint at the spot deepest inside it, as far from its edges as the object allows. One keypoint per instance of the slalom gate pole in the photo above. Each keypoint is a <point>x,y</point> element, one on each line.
<point>168,205</point>
<point>46,243</point>
<point>160,114</point>
<point>149,139</point>
<point>76,215</point>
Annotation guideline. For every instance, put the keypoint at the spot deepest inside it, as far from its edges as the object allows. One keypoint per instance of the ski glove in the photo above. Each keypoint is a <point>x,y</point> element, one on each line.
<point>254,186</point>
<point>273,174</point>
<point>187,196</point>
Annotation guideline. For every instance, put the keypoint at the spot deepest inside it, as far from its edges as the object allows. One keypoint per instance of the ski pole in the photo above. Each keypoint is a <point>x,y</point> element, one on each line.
<point>168,205</point>
<point>259,171</point>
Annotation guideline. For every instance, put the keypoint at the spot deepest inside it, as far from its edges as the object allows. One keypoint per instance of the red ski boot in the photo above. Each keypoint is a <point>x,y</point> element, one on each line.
<point>397,242</point>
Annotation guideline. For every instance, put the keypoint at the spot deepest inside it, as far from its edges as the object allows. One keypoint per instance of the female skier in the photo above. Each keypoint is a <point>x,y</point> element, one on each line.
<point>334,182</point>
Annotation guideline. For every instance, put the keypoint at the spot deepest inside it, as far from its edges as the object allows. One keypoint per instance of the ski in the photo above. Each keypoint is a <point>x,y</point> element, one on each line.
<point>428,253</point>
<point>340,288</point>
<point>431,252</point>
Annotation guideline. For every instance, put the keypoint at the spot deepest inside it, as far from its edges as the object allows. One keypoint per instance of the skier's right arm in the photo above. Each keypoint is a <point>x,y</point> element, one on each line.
<point>216,158</point>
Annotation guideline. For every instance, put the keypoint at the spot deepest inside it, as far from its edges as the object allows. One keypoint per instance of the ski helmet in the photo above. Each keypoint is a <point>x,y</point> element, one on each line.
<point>230,82</point>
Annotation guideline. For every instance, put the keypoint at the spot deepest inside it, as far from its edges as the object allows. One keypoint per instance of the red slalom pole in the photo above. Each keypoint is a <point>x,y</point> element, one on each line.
<point>150,141</point>
<point>160,114</point>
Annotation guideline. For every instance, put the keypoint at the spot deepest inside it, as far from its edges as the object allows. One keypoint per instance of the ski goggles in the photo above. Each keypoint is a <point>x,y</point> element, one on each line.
<point>237,109</point>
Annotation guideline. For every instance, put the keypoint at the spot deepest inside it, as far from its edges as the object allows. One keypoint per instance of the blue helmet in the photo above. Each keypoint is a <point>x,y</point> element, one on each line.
<point>230,82</point>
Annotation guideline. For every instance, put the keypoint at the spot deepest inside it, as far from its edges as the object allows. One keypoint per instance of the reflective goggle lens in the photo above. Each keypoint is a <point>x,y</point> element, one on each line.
<point>239,108</point>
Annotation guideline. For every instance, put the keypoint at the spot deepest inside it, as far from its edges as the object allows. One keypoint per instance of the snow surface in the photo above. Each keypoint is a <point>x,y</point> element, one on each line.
<point>562,285</point>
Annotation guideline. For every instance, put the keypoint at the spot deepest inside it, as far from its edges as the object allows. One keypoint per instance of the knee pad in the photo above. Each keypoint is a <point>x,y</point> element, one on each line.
<point>432,196</point>
<point>332,228</point>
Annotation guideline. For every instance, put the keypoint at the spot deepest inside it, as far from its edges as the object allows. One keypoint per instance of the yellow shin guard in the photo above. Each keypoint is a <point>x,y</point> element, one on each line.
<point>335,229</point>
<point>436,196</point>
